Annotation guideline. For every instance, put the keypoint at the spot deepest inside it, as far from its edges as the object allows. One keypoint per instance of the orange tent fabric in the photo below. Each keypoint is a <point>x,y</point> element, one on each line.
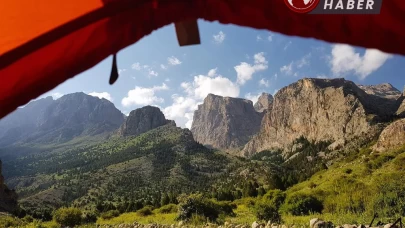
<point>45,42</point>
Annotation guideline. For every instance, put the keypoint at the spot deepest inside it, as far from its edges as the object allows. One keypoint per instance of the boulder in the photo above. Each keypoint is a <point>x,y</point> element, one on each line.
<point>255,224</point>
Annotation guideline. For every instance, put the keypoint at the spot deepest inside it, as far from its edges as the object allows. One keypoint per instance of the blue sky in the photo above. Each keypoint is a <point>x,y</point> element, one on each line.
<point>231,61</point>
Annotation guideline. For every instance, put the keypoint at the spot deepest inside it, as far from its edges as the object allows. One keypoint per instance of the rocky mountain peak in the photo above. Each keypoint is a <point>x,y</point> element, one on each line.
<point>333,110</point>
<point>142,120</point>
<point>47,120</point>
<point>224,122</point>
<point>385,90</point>
<point>263,102</point>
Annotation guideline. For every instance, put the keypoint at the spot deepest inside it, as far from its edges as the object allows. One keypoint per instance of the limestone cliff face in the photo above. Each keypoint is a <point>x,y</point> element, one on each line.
<point>225,123</point>
<point>264,102</point>
<point>401,106</point>
<point>392,137</point>
<point>319,109</point>
<point>142,120</point>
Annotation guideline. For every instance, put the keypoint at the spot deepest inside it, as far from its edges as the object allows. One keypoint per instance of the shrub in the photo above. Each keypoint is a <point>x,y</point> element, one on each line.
<point>8,221</point>
<point>110,214</point>
<point>300,204</point>
<point>68,216</point>
<point>90,217</point>
<point>275,198</point>
<point>28,219</point>
<point>147,210</point>
<point>266,211</point>
<point>170,208</point>
<point>196,204</point>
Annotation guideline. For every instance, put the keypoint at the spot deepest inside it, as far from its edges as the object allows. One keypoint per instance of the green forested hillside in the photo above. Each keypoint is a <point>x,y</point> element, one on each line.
<point>125,173</point>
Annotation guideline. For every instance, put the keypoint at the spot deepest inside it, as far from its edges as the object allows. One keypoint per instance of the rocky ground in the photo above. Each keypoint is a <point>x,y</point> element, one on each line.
<point>313,223</point>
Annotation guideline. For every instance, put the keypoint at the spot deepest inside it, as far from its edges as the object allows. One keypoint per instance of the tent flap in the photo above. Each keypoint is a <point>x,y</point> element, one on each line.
<point>45,44</point>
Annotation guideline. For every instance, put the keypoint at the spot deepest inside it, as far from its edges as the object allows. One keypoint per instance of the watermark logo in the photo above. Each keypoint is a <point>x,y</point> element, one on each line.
<point>335,6</point>
<point>302,6</point>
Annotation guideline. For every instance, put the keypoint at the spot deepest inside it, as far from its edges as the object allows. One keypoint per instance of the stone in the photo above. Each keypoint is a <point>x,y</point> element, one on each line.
<point>225,123</point>
<point>333,110</point>
<point>313,221</point>
<point>349,226</point>
<point>255,225</point>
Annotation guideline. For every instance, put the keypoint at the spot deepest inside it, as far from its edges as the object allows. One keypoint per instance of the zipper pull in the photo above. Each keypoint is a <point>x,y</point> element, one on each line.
<point>114,70</point>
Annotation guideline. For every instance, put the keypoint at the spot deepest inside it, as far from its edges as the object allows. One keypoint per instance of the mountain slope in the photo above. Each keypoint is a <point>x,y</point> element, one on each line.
<point>61,120</point>
<point>322,110</point>
<point>165,159</point>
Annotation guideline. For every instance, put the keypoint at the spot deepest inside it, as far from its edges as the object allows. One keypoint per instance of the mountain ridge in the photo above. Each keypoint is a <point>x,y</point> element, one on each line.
<point>60,120</point>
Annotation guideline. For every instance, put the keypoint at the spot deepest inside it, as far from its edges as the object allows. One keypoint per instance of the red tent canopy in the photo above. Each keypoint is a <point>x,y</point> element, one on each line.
<point>45,42</point>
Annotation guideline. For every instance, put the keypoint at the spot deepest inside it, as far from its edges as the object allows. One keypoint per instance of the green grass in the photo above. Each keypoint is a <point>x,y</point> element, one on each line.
<point>129,218</point>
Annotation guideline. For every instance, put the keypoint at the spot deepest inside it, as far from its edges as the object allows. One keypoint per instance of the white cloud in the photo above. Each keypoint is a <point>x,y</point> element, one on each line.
<point>120,71</point>
<point>182,110</point>
<point>322,76</point>
<point>163,67</point>
<point>101,95</point>
<point>136,66</point>
<point>264,82</point>
<point>258,38</point>
<point>183,107</point>
<point>173,61</point>
<point>203,85</point>
<point>344,59</point>
<point>219,38</point>
<point>304,61</point>
<point>152,73</point>
<point>245,70</point>
<point>143,96</point>
<point>275,76</point>
<point>287,69</point>
<point>146,66</point>
<point>167,80</point>
<point>270,38</point>
<point>252,97</point>
<point>212,72</point>
<point>287,45</point>
<point>56,95</point>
